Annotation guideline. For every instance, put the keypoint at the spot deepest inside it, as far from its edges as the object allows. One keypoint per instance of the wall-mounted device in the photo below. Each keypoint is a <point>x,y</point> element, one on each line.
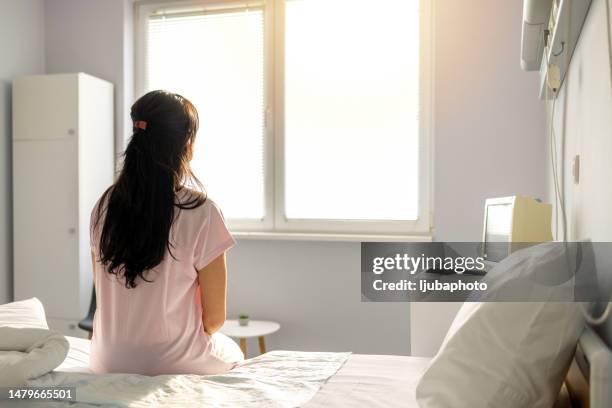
<point>551,29</point>
<point>512,223</point>
<point>536,14</point>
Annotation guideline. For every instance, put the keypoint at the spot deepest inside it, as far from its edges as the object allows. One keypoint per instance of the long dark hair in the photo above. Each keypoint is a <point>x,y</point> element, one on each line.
<point>140,205</point>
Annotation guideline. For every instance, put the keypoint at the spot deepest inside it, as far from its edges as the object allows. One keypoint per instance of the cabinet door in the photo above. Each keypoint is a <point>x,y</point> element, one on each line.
<point>45,224</point>
<point>45,107</point>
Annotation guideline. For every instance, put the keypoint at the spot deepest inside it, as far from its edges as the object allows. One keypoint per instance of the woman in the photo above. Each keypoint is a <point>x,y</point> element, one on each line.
<point>158,250</point>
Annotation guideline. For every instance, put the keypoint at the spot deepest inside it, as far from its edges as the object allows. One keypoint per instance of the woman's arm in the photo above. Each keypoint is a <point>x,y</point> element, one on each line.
<point>213,287</point>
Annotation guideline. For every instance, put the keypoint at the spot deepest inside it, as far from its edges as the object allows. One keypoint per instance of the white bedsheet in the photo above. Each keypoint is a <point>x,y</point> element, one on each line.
<point>362,381</point>
<point>275,379</point>
<point>372,381</point>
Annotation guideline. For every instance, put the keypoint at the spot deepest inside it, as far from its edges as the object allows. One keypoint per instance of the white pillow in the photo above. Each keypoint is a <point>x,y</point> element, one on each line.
<point>25,313</point>
<point>551,271</point>
<point>503,354</point>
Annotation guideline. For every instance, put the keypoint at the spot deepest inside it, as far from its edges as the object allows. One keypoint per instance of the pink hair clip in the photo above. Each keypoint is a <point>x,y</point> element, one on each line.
<point>140,124</point>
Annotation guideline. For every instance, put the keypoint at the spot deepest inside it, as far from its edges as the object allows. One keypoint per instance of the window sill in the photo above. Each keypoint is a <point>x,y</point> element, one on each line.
<point>307,236</point>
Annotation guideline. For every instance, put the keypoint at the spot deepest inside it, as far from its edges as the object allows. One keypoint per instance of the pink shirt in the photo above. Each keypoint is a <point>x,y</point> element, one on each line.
<point>156,328</point>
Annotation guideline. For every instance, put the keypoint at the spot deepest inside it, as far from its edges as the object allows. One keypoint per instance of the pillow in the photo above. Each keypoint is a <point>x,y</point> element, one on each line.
<point>25,313</point>
<point>546,272</point>
<point>512,354</point>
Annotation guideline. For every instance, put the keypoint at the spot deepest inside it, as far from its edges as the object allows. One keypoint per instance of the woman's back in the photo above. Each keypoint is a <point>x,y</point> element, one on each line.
<point>156,327</point>
<point>158,252</point>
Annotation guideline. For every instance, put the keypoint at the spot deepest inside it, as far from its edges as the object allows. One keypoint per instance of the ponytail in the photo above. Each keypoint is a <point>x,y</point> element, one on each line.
<point>140,207</point>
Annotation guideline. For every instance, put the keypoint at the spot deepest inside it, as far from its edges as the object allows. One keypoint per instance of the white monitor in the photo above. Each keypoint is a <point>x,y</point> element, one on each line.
<point>511,223</point>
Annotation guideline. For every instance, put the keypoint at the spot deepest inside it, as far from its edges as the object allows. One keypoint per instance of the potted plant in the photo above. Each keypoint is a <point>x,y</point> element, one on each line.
<point>243,319</point>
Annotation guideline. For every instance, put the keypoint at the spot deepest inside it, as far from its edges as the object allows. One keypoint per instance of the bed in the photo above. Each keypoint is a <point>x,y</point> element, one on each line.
<point>274,379</point>
<point>308,379</point>
<point>390,381</point>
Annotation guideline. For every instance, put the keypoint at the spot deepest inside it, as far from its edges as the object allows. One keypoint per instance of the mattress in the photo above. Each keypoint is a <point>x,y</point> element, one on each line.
<point>363,381</point>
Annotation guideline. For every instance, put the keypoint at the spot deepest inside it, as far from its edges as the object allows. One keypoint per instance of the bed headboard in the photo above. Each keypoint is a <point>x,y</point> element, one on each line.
<point>589,378</point>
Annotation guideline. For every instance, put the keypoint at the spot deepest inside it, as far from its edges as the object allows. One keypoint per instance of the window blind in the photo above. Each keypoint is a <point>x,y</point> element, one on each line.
<point>215,58</point>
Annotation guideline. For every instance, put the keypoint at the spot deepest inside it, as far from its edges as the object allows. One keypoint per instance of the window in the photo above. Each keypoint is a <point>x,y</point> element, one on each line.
<point>313,113</point>
<point>216,60</point>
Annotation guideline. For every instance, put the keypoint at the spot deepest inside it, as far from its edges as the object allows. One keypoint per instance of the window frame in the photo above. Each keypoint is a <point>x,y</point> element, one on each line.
<point>275,220</point>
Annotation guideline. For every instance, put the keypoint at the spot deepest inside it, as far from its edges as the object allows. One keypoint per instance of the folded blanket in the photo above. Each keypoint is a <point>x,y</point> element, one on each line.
<point>27,353</point>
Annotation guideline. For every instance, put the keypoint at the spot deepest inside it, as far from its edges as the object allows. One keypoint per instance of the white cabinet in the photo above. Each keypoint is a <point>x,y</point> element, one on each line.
<point>63,160</point>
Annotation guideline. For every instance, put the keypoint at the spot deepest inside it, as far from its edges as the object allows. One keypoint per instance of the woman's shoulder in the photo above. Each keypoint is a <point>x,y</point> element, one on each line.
<point>99,207</point>
<point>196,203</point>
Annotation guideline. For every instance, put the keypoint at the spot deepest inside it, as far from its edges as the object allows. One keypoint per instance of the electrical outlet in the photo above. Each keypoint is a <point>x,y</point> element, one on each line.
<point>553,77</point>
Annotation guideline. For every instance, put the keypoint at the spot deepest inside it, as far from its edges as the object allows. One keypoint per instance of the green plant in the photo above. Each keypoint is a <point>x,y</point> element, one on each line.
<point>243,316</point>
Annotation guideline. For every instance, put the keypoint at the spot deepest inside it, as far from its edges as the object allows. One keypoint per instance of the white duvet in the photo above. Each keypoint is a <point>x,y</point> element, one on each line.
<point>27,353</point>
<point>275,379</point>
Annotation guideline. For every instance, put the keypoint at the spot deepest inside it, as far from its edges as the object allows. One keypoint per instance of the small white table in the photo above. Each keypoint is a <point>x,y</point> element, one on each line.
<point>255,328</point>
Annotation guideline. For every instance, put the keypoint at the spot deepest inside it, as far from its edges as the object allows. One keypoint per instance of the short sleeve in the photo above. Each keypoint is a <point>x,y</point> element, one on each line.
<point>214,237</point>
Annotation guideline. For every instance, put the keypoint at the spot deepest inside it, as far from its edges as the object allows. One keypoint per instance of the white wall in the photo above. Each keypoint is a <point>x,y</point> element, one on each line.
<point>489,122</point>
<point>313,289</point>
<point>583,126</point>
<point>489,132</point>
<point>93,36</point>
<point>21,48</point>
